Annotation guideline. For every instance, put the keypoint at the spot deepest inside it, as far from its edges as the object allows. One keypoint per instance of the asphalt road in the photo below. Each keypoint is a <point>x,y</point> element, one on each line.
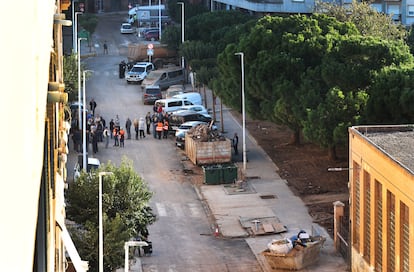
<point>182,236</point>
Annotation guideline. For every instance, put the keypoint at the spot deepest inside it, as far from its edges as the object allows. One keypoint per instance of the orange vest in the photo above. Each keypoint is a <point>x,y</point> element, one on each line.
<point>159,127</point>
<point>166,125</point>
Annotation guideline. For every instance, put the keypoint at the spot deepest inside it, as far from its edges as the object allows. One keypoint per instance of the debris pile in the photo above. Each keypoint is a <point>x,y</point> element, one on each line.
<point>204,133</point>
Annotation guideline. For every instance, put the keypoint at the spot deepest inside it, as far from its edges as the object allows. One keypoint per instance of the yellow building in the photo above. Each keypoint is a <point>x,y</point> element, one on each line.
<point>381,160</point>
<point>34,137</point>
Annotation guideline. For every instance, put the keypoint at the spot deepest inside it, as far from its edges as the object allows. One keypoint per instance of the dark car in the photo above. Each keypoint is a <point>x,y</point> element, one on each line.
<point>152,35</point>
<point>178,118</point>
<point>151,94</point>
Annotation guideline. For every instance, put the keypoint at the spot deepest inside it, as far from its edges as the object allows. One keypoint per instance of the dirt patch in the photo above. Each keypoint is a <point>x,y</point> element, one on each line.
<point>305,168</point>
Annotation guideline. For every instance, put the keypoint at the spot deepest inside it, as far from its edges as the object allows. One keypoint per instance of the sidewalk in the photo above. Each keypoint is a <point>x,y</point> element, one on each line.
<point>266,196</point>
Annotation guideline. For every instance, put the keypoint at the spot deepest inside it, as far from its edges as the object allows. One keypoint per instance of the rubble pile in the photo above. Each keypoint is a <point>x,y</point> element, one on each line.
<point>204,133</point>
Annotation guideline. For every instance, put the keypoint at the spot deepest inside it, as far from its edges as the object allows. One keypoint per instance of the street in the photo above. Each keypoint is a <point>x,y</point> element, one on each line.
<point>183,235</point>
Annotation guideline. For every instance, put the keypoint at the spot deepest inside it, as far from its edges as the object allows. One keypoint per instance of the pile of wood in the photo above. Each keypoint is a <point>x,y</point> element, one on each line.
<point>204,133</point>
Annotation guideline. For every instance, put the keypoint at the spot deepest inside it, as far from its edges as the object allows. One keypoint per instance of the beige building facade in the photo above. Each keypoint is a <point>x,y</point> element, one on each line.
<point>381,184</point>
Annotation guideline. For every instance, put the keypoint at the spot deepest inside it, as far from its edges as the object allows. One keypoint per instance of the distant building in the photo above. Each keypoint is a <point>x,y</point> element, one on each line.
<point>381,183</point>
<point>401,11</point>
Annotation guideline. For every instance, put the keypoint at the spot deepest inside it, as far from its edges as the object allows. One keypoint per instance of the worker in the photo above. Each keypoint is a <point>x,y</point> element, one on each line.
<point>166,127</point>
<point>159,128</point>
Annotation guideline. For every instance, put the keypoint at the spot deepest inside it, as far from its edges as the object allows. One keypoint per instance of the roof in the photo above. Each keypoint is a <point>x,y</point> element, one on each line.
<point>397,142</point>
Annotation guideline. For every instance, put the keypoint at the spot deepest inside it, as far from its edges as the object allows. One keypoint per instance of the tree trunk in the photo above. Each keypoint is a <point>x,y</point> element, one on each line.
<point>332,153</point>
<point>295,138</point>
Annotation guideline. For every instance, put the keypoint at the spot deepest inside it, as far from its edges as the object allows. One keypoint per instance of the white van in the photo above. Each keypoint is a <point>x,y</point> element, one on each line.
<point>194,97</point>
<point>172,104</point>
<point>164,78</point>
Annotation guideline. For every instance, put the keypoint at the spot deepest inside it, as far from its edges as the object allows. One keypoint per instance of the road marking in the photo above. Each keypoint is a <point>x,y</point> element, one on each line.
<point>179,209</point>
<point>161,209</point>
<point>195,209</point>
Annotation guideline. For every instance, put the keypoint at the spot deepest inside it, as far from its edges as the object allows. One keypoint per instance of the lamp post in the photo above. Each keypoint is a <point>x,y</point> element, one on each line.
<point>101,174</point>
<point>241,54</point>
<point>159,18</point>
<point>182,28</point>
<point>79,85</point>
<point>75,31</point>
<point>84,122</point>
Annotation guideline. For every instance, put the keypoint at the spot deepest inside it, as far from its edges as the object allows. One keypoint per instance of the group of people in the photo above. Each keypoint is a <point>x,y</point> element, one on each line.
<point>98,131</point>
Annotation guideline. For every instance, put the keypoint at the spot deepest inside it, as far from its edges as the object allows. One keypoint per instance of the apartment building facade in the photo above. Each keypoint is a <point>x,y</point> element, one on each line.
<point>401,10</point>
<point>381,183</point>
<point>33,234</point>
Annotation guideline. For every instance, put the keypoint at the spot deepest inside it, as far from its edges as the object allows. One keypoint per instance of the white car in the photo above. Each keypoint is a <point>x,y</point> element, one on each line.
<point>139,72</point>
<point>197,108</point>
<point>93,164</point>
<point>184,127</point>
<point>126,28</point>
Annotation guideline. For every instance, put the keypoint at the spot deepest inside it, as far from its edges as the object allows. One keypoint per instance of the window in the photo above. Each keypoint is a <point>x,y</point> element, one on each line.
<point>378,226</point>
<point>367,216</point>
<point>177,103</point>
<point>410,10</point>
<point>404,238</point>
<point>390,232</point>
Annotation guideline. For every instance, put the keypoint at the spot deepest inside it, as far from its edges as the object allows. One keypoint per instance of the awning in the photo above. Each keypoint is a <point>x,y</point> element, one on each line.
<point>80,266</point>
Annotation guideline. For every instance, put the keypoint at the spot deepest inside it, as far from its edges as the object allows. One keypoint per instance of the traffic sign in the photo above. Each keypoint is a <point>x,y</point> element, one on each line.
<point>150,46</point>
<point>150,52</point>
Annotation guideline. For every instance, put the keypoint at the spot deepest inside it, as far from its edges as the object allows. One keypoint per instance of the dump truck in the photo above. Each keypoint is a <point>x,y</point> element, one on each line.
<point>161,54</point>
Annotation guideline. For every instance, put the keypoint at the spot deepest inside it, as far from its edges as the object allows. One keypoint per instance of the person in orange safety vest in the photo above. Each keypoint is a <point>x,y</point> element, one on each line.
<point>166,128</point>
<point>159,128</point>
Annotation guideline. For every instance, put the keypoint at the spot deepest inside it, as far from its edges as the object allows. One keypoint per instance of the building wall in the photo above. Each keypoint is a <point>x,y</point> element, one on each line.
<point>382,208</point>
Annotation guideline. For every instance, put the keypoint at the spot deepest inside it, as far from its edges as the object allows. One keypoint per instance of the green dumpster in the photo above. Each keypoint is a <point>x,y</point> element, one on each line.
<point>212,174</point>
<point>229,173</point>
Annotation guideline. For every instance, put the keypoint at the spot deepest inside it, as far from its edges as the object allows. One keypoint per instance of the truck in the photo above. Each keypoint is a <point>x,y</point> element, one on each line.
<point>161,54</point>
<point>207,152</point>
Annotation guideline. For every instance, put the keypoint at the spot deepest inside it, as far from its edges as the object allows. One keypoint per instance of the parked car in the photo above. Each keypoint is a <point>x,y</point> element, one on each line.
<point>143,32</point>
<point>174,90</point>
<point>126,28</point>
<point>93,165</point>
<point>172,104</point>
<point>198,108</point>
<point>139,72</point>
<point>164,77</point>
<point>152,35</point>
<point>183,128</point>
<point>151,94</point>
<point>180,117</point>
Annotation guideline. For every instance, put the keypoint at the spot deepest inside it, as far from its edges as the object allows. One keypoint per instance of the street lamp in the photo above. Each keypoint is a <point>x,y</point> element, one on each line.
<point>79,84</point>
<point>101,174</point>
<point>159,17</point>
<point>85,163</point>
<point>241,54</point>
<point>182,28</point>
<point>75,31</point>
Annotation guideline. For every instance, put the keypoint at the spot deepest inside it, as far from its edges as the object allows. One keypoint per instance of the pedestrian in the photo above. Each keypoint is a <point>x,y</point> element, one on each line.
<point>121,137</point>
<point>111,126</point>
<point>94,136</point>
<point>148,122</point>
<point>92,105</point>
<point>128,124</point>
<point>141,127</point>
<point>235,143</point>
<point>136,128</point>
<point>165,128</point>
<point>117,123</point>
<point>160,128</point>
<point>106,135</point>
<point>154,124</point>
<point>105,46</point>
<point>115,133</point>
